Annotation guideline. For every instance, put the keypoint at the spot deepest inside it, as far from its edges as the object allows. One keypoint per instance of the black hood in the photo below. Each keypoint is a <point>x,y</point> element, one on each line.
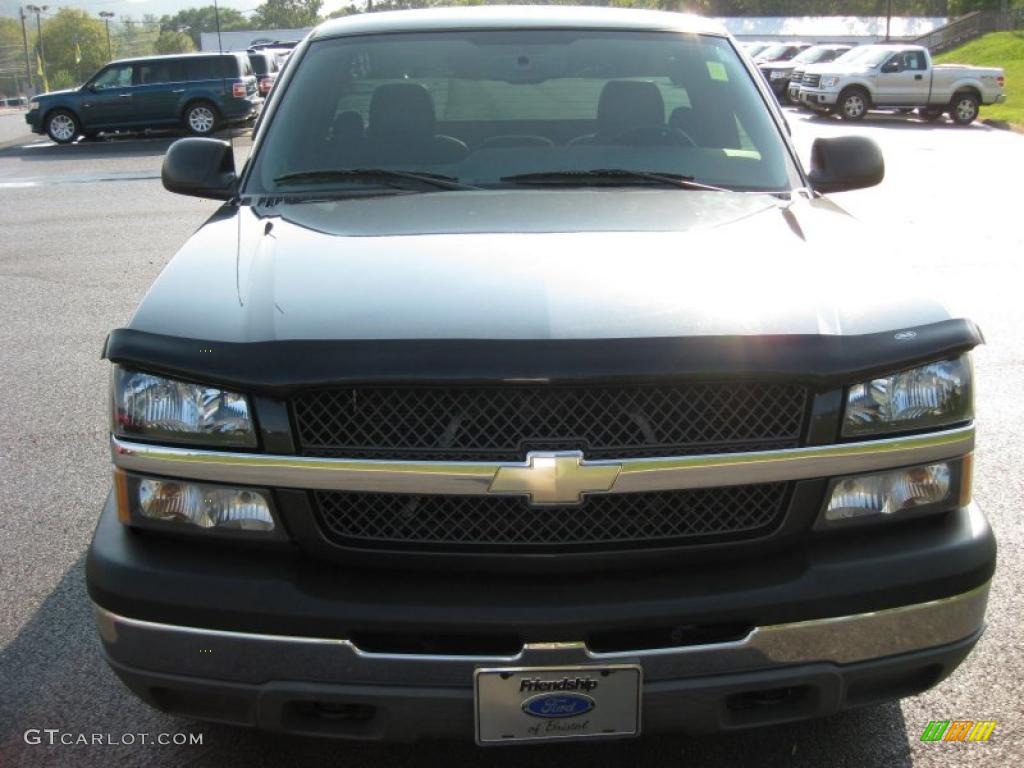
<point>594,264</point>
<point>551,285</point>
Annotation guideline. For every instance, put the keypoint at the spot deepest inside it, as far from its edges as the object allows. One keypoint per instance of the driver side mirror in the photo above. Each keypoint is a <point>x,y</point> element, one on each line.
<point>200,167</point>
<point>845,163</point>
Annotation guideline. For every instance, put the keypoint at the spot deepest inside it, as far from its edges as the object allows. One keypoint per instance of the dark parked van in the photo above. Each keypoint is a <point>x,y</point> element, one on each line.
<point>200,92</point>
<point>265,66</point>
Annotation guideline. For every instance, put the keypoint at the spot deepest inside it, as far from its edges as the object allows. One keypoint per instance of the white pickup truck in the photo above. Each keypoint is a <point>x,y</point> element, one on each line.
<point>900,77</point>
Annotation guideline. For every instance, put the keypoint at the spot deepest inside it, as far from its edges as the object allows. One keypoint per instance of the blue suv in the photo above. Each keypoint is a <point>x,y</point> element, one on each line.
<point>200,92</point>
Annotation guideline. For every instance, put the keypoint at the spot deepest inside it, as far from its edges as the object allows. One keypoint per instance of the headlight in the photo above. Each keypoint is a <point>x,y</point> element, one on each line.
<point>33,105</point>
<point>827,81</point>
<point>888,493</point>
<point>933,395</point>
<point>183,505</point>
<point>179,412</point>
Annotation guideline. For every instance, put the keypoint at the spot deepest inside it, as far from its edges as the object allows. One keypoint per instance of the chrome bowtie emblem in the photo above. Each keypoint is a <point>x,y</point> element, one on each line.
<point>554,478</point>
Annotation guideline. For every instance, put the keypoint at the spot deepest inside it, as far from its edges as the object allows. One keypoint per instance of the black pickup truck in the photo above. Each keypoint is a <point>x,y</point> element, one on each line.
<point>520,390</point>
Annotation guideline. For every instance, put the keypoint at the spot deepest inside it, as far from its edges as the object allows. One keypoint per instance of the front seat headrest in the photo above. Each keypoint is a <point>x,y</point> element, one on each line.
<point>626,104</point>
<point>401,111</point>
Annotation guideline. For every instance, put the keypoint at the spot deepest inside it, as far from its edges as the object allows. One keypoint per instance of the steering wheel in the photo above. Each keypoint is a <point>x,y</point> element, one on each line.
<point>662,135</point>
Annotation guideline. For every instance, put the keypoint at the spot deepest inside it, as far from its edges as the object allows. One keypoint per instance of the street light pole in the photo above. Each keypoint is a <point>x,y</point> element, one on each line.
<point>24,39</point>
<point>37,10</point>
<point>107,16</point>
<point>888,19</point>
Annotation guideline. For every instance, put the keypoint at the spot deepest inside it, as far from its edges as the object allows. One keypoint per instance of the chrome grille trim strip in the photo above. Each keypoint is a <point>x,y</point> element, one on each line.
<point>476,478</point>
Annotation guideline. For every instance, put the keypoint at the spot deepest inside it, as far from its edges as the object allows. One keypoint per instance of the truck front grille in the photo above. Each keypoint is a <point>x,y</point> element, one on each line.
<point>812,80</point>
<point>504,422</point>
<point>607,521</point>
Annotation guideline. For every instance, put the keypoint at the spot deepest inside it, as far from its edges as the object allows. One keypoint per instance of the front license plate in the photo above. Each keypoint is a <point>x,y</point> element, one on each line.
<point>545,703</point>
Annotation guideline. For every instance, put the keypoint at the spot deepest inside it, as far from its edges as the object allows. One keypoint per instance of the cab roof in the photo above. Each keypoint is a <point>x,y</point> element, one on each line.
<point>517,17</point>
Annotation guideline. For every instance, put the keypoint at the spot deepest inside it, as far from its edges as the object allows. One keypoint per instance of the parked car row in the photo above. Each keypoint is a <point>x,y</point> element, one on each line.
<point>852,81</point>
<point>780,72</point>
<point>898,77</point>
<point>205,91</point>
<point>200,92</point>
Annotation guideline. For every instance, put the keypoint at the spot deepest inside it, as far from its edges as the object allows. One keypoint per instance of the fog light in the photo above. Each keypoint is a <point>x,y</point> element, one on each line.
<point>888,493</point>
<point>204,508</point>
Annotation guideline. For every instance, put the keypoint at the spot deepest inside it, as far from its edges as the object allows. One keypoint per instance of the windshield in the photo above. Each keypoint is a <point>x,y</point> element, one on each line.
<point>777,52</point>
<point>482,107</point>
<point>853,54</point>
<point>812,55</point>
<point>872,57</point>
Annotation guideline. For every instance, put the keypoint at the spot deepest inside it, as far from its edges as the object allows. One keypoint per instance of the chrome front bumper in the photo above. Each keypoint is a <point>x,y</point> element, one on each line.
<point>814,97</point>
<point>250,658</point>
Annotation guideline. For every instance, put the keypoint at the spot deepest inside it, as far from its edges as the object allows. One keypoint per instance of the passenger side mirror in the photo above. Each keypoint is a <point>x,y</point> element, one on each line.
<point>891,66</point>
<point>845,163</point>
<point>201,168</point>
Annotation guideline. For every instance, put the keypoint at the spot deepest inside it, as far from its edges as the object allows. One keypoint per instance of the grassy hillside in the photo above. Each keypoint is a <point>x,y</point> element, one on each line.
<point>999,49</point>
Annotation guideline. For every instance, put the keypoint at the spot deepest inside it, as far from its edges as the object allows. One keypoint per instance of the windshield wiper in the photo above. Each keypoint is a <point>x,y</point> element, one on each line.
<point>598,175</point>
<point>398,179</point>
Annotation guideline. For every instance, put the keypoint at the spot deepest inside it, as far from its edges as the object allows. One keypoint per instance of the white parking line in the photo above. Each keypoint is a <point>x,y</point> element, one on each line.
<point>83,178</point>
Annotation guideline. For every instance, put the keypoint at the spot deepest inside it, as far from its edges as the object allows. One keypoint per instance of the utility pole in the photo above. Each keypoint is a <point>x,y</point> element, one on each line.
<point>888,19</point>
<point>37,10</point>
<point>107,16</point>
<point>24,38</point>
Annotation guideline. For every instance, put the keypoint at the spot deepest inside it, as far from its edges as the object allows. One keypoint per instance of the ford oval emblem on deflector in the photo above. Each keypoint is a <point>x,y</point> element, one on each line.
<point>551,705</point>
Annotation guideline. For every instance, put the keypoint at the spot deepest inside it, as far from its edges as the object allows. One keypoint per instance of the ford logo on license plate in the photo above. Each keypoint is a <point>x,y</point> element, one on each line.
<point>552,705</point>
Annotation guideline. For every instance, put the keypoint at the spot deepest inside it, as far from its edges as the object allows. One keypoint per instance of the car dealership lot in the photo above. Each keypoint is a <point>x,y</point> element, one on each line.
<point>87,227</point>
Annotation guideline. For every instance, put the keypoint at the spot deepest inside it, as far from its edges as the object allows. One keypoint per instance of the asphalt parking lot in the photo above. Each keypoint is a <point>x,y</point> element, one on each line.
<point>86,228</point>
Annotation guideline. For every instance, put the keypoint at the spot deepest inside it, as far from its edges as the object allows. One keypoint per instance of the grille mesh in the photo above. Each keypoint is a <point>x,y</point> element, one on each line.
<point>505,422</point>
<point>812,79</point>
<point>613,520</point>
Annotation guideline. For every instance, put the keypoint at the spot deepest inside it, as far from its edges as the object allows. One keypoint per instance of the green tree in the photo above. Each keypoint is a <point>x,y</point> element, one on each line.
<point>345,10</point>
<point>960,7</point>
<point>75,43</point>
<point>134,38</point>
<point>62,79</point>
<point>12,59</point>
<point>171,41</point>
<point>287,14</point>
<point>195,21</point>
